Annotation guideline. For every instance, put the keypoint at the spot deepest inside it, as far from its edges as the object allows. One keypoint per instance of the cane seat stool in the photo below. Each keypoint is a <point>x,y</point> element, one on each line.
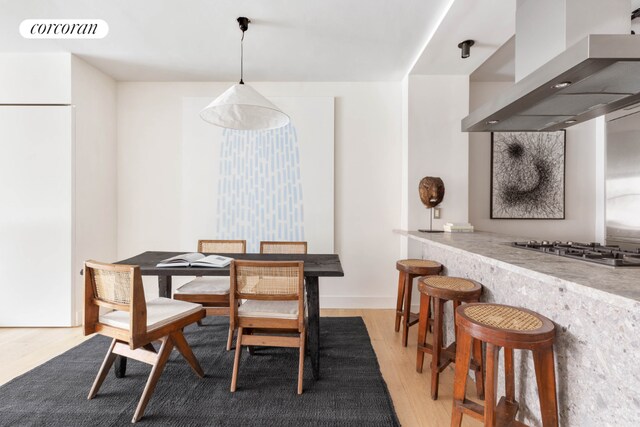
<point>503,326</point>
<point>439,290</point>
<point>410,269</point>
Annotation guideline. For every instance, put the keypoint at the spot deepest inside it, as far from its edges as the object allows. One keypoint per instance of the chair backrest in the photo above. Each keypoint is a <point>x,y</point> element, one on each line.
<point>283,247</point>
<point>267,280</point>
<point>223,246</point>
<point>114,287</point>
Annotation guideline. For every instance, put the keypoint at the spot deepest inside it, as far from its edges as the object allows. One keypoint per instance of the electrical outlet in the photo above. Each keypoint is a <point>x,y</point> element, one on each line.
<point>436,213</point>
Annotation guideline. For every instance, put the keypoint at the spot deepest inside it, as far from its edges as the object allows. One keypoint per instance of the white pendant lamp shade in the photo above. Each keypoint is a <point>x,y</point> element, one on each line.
<point>241,107</point>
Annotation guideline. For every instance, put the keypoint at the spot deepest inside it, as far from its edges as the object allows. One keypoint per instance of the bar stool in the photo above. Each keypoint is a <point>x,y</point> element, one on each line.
<point>441,289</point>
<point>410,269</point>
<point>510,328</point>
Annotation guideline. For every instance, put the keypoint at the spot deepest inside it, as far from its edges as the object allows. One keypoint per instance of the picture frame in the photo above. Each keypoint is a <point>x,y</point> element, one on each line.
<point>528,175</point>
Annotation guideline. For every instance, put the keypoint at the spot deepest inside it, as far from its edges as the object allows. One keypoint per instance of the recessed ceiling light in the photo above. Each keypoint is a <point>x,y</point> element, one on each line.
<point>570,122</point>
<point>492,122</point>
<point>561,85</point>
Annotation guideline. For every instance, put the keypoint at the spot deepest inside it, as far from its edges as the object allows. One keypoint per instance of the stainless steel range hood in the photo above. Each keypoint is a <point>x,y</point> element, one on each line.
<point>597,75</point>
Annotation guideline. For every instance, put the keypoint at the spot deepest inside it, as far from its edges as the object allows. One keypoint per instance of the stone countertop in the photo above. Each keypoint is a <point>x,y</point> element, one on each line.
<point>618,286</point>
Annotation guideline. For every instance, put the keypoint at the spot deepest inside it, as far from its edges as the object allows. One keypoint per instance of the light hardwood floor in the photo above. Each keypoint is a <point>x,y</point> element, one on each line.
<point>26,348</point>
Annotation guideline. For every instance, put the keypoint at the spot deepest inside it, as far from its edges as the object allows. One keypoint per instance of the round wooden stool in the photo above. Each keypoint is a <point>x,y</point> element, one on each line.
<point>410,269</point>
<point>441,289</point>
<point>512,328</point>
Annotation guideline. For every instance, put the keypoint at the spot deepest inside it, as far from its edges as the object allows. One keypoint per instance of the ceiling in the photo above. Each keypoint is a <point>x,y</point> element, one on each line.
<point>199,40</point>
<point>490,23</point>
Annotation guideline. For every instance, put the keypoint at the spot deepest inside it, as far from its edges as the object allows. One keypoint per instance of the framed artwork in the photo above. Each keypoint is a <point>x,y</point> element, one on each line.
<point>527,175</point>
<point>259,185</point>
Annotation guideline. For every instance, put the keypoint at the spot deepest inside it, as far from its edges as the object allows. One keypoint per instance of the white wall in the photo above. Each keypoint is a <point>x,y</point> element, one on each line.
<point>93,94</point>
<point>367,178</point>
<point>437,146</point>
<point>35,78</point>
<point>36,226</point>
<point>62,79</point>
<point>580,181</point>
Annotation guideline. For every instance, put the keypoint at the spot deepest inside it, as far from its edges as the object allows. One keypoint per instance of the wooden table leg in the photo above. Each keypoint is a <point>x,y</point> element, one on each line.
<point>313,329</point>
<point>120,367</point>
<point>164,290</point>
<point>164,286</point>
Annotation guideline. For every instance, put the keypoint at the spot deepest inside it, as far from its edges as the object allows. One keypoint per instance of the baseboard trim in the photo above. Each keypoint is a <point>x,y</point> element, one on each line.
<point>358,302</point>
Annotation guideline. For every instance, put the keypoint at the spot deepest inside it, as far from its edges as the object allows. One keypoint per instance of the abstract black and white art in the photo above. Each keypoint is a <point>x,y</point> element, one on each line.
<point>527,175</point>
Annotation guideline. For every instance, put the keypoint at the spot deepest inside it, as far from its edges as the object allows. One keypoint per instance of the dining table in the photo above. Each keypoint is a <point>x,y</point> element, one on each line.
<point>315,266</point>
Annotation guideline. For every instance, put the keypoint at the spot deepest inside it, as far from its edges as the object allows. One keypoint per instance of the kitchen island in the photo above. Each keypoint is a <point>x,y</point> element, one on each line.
<point>596,310</point>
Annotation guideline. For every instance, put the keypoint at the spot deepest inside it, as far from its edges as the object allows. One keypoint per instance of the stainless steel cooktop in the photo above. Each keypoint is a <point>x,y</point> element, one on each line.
<point>611,256</point>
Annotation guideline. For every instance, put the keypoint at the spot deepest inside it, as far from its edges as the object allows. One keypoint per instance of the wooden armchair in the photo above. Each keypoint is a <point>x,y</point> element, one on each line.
<point>274,294</point>
<point>134,324</point>
<point>283,247</point>
<point>212,292</point>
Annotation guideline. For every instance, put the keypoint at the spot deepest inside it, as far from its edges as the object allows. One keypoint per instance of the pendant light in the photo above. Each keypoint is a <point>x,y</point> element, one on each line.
<point>241,106</point>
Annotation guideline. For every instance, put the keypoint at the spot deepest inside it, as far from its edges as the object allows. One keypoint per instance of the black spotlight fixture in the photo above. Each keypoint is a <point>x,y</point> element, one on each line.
<point>465,48</point>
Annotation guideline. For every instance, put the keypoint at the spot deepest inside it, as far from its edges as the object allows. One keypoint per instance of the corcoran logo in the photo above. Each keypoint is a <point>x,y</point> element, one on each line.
<point>64,28</point>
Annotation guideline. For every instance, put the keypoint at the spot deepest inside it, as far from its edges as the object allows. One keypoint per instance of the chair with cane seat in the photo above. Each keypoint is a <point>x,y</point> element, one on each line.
<point>283,247</point>
<point>274,306</point>
<point>212,292</point>
<point>134,324</point>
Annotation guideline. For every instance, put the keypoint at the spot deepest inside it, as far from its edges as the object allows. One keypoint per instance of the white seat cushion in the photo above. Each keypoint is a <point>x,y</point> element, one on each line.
<point>160,312</point>
<point>269,309</point>
<point>205,285</point>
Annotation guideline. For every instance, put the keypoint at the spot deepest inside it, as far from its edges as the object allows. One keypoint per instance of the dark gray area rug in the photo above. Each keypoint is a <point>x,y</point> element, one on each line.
<point>351,391</point>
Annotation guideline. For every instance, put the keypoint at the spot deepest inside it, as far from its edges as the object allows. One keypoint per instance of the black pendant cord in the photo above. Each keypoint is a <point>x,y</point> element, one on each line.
<point>242,59</point>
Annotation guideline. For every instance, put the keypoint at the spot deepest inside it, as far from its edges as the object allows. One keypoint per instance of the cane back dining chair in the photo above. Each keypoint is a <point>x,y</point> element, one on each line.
<point>268,247</point>
<point>134,324</point>
<point>274,307</point>
<point>212,292</point>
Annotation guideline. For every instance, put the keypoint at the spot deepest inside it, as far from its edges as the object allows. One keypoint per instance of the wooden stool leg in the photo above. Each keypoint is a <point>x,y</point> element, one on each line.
<point>400,298</point>
<point>438,305</point>
<point>456,304</point>
<point>546,379</point>
<point>490,402</point>
<point>463,352</point>
<point>509,378</point>
<point>479,372</point>
<point>423,327</point>
<point>408,288</point>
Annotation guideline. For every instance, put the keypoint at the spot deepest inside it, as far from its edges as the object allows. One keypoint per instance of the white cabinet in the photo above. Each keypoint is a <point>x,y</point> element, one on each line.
<point>37,216</point>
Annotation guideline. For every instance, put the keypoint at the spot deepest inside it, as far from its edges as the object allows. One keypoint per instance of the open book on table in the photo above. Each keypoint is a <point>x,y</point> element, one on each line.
<point>195,259</point>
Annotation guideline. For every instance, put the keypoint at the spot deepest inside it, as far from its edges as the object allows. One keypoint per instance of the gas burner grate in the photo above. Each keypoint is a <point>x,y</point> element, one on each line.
<point>596,253</point>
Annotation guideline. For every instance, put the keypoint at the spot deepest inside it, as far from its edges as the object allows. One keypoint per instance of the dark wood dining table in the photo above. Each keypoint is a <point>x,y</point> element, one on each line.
<point>315,266</point>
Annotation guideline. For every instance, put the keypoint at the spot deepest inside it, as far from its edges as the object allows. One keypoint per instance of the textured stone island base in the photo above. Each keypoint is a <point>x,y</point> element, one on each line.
<point>596,310</point>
